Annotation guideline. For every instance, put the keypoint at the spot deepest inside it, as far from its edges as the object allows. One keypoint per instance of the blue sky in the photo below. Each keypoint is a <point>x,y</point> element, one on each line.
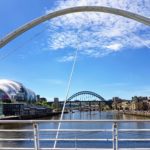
<point>113,57</point>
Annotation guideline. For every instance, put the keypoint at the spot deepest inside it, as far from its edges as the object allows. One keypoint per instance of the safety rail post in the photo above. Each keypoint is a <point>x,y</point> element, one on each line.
<point>115,136</point>
<point>36,136</point>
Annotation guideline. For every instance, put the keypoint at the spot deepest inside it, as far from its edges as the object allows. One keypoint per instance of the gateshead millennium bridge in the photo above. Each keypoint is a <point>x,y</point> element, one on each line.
<point>114,135</point>
<point>52,15</point>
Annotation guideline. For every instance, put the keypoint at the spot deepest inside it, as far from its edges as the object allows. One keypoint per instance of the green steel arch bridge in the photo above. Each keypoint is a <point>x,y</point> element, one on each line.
<point>88,93</point>
<point>85,101</point>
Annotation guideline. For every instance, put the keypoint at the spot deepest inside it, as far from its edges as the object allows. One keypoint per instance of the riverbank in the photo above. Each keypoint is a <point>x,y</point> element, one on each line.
<point>136,113</point>
<point>31,116</point>
<point>9,118</point>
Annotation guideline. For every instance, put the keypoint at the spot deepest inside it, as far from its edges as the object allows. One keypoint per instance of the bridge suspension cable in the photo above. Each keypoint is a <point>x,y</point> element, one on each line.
<point>67,93</point>
<point>2,57</point>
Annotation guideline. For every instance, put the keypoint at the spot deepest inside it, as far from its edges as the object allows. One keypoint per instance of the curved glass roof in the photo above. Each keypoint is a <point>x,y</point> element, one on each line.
<point>16,90</point>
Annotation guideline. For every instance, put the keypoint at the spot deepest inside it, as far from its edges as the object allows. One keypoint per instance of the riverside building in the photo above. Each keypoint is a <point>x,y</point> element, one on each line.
<point>13,95</point>
<point>12,91</point>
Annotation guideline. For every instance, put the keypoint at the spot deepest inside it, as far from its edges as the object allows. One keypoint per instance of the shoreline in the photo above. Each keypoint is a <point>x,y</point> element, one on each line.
<point>136,113</point>
<point>30,116</point>
<point>26,117</point>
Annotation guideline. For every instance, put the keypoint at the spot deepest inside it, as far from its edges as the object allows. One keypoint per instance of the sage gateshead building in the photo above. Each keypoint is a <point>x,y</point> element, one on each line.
<point>12,91</point>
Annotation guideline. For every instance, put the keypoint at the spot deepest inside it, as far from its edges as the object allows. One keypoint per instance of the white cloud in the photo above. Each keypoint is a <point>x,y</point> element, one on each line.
<point>98,34</point>
<point>66,58</point>
<point>114,46</point>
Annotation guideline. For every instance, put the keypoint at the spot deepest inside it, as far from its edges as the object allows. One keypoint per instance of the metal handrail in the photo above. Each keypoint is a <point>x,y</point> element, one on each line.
<point>61,130</point>
<point>57,121</point>
<point>35,130</point>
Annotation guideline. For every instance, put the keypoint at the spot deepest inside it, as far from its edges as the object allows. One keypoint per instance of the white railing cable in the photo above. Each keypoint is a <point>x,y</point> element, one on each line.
<point>72,139</point>
<point>67,93</point>
<point>10,148</point>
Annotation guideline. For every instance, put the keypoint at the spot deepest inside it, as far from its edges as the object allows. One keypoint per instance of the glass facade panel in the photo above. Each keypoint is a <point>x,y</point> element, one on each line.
<point>14,91</point>
<point>1,106</point>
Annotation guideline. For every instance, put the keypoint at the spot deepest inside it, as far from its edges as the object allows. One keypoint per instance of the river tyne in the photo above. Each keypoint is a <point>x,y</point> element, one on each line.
<point>93,115</point>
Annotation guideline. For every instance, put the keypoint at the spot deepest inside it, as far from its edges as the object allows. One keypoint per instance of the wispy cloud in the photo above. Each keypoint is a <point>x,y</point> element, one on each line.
<point>55,81</point>
<point>114,47</point>
<point>98,34</point>
<point>52,81</point>
<point>66,58</point>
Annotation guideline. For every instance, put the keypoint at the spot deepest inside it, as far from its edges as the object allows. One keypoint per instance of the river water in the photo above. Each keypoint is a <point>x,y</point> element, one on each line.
<point>75,135</point>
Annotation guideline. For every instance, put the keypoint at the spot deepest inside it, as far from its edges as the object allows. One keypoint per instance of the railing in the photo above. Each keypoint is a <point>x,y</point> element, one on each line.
<point>36,131</point>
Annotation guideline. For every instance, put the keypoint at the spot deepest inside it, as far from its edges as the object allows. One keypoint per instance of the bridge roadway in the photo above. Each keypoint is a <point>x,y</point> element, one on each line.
<point>83,105</point>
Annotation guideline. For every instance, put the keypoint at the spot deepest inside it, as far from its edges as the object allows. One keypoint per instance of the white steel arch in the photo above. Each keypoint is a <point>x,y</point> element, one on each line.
<point>51,15</point>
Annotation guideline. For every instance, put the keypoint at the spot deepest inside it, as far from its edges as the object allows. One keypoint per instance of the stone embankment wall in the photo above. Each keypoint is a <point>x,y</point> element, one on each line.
<point>137,113</point>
